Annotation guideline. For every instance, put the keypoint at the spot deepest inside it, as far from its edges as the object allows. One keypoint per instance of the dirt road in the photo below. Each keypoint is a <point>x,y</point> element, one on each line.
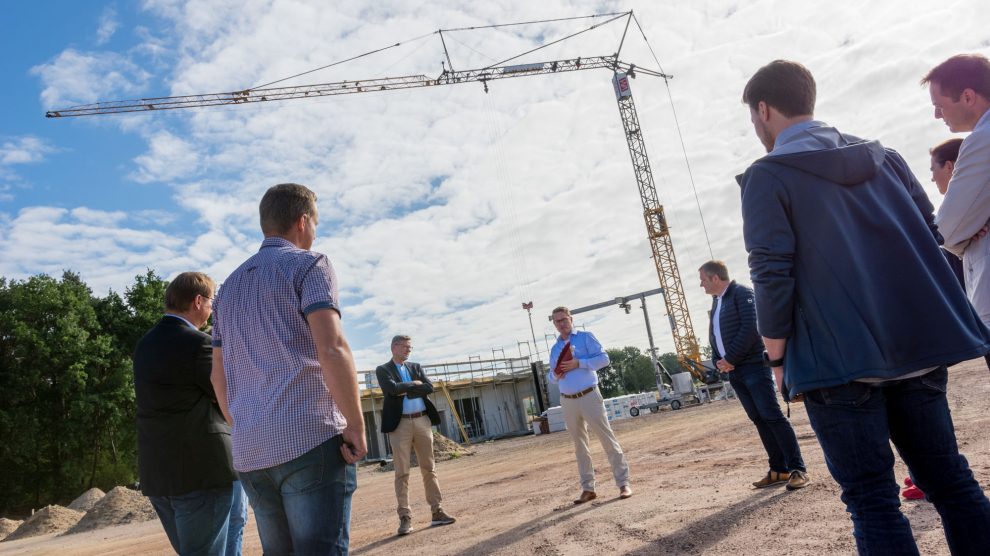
<point>691,472</point>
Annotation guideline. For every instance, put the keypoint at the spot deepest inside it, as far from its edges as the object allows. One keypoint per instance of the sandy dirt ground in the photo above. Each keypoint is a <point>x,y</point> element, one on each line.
<point>691,472</point>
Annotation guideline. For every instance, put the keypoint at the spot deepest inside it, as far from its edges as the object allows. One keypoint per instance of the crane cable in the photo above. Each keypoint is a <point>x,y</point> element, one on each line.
<point>680,136</point>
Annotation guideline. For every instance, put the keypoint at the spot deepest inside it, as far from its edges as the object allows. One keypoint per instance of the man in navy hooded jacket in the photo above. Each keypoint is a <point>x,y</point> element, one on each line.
<point>859,312</point>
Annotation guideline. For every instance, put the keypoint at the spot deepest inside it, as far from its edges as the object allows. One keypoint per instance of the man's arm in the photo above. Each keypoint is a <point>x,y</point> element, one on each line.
<point>340,376</point>
<point>390,387</point>
<point>203,366</point>
<point>219,381</point>
<point>597,357</point>
<point>746,335</point>
<point>966,206</point>
<point>424,386</point>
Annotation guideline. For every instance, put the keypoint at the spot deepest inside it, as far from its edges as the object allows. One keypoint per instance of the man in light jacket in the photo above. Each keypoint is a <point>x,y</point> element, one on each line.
<point>960,92</point>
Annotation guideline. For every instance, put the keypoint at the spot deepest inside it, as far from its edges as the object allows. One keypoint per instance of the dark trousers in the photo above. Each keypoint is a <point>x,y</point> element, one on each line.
<point>754,389</point>
<point>855,424</point>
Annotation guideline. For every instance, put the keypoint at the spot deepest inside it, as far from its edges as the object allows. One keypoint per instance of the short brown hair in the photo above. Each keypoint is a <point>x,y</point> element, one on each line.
<point>787,86</point>
<point>946,150</point>
<point>283,205</point>
<point>400,338</point>
<point>716,268</point>
<point>961,72</point>
<point>184,288</point>
<point>561,309</point>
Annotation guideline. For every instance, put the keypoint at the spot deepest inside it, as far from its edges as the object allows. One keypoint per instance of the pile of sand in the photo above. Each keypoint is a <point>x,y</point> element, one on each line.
<point>8,526</point>
<point>443,449</point>
<point>50,519</point>
<point>121,505</point>
<point>87,500</point>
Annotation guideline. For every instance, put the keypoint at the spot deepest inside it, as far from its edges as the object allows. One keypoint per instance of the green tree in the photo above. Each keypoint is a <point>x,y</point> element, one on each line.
<point>67,410</point>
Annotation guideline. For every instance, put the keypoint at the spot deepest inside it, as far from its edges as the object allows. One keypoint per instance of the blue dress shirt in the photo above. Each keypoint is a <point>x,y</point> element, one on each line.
<point>414,405</point>
<point>590,357</point>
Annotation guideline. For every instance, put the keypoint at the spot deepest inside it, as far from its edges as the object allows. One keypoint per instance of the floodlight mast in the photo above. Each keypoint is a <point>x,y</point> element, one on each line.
<point>657,229</point>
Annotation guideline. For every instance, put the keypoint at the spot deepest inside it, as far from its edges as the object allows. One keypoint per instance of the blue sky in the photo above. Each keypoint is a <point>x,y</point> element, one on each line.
<point>445,208</point>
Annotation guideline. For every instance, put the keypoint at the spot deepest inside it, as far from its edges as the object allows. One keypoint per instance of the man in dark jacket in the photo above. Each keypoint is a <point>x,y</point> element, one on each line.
<point>737,349</point>
<point>184,460</point>
<point>408,417</point>
<point>859,312</point>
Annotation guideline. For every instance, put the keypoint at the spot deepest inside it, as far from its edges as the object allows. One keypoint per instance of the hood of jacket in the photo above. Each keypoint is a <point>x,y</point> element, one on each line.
<point>838,158</point>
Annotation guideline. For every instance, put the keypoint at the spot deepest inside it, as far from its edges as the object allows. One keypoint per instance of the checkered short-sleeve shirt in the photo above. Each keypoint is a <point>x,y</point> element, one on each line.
<point>275,390</point>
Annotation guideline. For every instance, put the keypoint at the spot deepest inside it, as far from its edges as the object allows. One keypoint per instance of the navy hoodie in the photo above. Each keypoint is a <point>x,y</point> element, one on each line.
<point>845,262</point>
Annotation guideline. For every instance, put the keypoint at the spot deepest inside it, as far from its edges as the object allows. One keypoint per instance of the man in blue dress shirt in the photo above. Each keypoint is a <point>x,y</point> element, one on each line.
<point>573,362</point>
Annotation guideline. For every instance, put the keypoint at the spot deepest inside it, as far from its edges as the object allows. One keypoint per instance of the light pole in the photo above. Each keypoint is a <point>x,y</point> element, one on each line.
<point>529,312</point>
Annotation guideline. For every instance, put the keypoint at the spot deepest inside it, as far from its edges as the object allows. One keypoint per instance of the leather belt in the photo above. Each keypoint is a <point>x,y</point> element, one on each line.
<point>580,394</point>
<point>413,415</point>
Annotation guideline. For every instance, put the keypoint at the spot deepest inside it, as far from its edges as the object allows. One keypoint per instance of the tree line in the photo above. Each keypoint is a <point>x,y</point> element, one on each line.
<point>67,413</point>
<point>631,371</point>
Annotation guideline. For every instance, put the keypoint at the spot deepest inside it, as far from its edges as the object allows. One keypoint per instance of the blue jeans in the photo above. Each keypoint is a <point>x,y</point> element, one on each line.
<point>754,389</point>
<point>855,424</point>
<point>303,506</point>
<point>238,518</point>
<point>195,523</point>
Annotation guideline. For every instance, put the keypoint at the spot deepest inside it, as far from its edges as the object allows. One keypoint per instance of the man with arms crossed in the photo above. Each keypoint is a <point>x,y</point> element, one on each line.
<point>408,417</point>
<point>285,378</point>
<point>573,362</point>
<point>960,91</point>
<point>738,350</point>
<point>183,441</point>
<point>829,220</point>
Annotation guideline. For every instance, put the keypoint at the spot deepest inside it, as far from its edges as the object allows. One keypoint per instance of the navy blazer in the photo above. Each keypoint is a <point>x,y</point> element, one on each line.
<point>183,439</point>
<point>737,323</point>
<point>395,390</point>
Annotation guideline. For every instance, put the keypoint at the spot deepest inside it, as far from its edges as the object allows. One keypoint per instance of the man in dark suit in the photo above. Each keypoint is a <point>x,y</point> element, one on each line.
<point>408,417</point>
<point>184,459</point>
<point>737,349</point>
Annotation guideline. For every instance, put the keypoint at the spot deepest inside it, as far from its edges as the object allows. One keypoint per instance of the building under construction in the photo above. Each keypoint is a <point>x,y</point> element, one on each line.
<point>491,398</point>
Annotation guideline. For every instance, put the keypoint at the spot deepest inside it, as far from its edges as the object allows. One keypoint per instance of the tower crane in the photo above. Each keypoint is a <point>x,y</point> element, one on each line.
<point>657,228</point>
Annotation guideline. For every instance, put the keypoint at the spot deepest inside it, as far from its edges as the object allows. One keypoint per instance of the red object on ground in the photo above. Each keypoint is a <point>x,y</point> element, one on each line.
<point>913,493</point>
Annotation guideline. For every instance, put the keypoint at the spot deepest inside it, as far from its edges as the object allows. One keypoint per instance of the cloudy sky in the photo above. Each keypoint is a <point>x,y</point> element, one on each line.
<point>444,208</point>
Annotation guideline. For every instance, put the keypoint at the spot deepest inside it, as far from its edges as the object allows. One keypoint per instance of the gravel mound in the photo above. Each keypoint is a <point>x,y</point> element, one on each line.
<point>50,519</point>
<point>443,449</point>
<point>120,506</point>
<point>8,526</point>
<point>87,500</point>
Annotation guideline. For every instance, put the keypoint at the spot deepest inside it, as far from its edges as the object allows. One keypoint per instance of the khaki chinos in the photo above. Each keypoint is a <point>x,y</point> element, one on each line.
<point>414,434</point>
<point>586,412</point>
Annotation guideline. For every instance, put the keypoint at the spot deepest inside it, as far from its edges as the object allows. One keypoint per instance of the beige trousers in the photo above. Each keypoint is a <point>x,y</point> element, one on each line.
<point>414,434</point>
<point>586,412</point>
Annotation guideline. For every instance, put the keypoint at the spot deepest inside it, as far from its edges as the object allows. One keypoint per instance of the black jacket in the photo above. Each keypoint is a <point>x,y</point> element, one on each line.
<point>183,439</point>
<point>394,390</point>
<point>737,323</point>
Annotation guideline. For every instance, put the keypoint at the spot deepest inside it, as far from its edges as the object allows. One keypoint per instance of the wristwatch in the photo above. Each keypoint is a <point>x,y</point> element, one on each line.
<point>772,362</point>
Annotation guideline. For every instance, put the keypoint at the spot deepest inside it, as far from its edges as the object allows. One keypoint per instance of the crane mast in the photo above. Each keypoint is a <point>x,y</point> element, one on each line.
<point>685,341</point>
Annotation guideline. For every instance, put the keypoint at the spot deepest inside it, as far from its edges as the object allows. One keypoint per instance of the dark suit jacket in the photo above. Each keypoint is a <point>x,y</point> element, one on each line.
<point>737,323</point>
<point>395,390</point>
<point>183,439</point>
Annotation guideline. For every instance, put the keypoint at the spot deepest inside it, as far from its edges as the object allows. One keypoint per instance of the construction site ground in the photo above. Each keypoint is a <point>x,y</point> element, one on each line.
<point>691,471</point>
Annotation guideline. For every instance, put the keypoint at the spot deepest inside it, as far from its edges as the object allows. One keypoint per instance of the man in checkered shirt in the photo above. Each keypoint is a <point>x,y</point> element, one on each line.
<point>286,382</point>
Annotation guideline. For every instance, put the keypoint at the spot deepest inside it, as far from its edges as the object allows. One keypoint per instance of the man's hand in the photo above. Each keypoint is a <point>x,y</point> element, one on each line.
<point>570,365</point>
<point>353,447</point>
<point>980,234</point>
<point>725,366</point>
<point>417,382</point>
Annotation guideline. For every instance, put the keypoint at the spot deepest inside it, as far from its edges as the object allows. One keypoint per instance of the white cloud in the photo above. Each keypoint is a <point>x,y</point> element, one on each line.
<point>75,77</point>
<point>23,150</point>
<point>444,208</point>
<point>108,25</point>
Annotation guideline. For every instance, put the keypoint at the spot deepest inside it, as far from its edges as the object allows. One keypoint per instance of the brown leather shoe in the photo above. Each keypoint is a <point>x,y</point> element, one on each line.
<point>625,492</point>
<point>772,478</point>
<point>586,496</point>
<point>798,479</point>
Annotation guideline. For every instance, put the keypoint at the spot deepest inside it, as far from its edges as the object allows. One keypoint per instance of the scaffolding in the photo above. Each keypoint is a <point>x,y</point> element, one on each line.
<point>493,397</point>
